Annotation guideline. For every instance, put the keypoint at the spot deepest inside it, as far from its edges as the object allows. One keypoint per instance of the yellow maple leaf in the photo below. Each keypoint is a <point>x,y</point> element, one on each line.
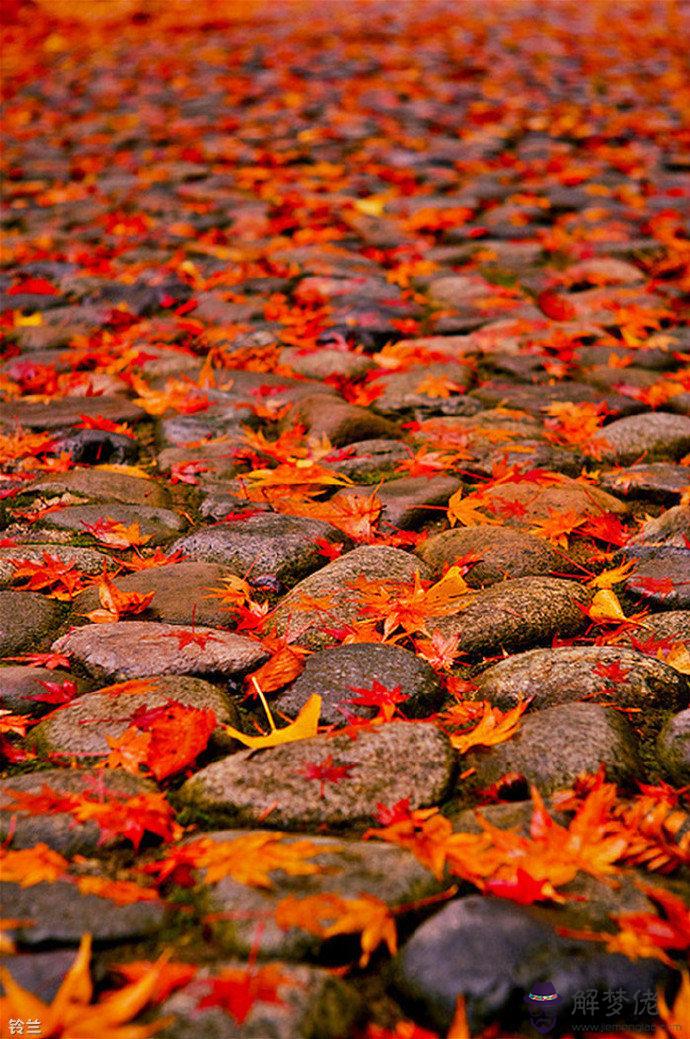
<point>367,915</point>
<point>494,727</point>
<point>466,511</point>
<point>304,727</point>
<point>251,857</point>
<point>30,866</point>
<point>608,578</point>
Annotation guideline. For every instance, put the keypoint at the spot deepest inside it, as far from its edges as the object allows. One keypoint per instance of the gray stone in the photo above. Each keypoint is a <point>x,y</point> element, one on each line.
<point>332,583</point>
<point>67,411</point>
<point>669,628</point>
<point>59,830</point>
<point>133,649</point>
<point>658,482</point>
<point>535,398</point>
<point>673,748</point>
<point>335,673</point>
<point>265,543</point>
<point>247,784</point>
<point>216,460</point>
<point>103,486</point>
<point>669,530</point>
<point>341,422</point>
<point>513,615</point>
<point>182,593</point>
<point>27,621</point>
<point>556,676</point>
<point>82,727</point>
<point>553,746</point>
<point>367,459</point>
<point>538,502</point>
<point>158,525</point>
<point>322,363</point>
<point>401,391</point>
<point>411,501</point>
<point>502,553</point>
<point>19,685</point>
<point>492,951</point>
<point>245,922</point>
<point>310,1003</point>
<point>87,560</point>
<point>59,913</point>
<point>653,435</point>
<point>41,973</point>
<point>661,578</point>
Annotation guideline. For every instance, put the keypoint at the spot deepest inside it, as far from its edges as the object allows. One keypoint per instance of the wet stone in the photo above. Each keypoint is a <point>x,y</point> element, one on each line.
<point>103,486</point>
<point>341,422</point>
<point>27,621</point>
<point>59,830</point>
<point>662,579</point>
<point>606,674</point>
<point>670,530</point>
<point>346,867</point>
<point>181,594</point>
<point>431,389</point>
<point>411,501</point>
<point>98,447</point>
<point>60,914</point>
<point>309,1003</point>
<point>81,729</point>
<point>247,784</point>
<point>267,543</point>
<point>335,674</point>
<point>516,614</point>
<point>20,685</point>
<point>519,504</point>
<point>553,746</point>
<point>492,951</point>
<point>367,458</point>
<point>673,748</point>
<point>654,435</point>
<point>158,525</point>
<point>323,363</point>
<point>667,628</point>
<point>658,482</point>
<point>502,553</point>
<point>132,649</point>
<point>331,584</point>
<point>534,399</point>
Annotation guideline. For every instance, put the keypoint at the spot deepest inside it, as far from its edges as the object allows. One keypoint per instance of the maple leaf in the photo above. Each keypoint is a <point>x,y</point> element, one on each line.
<point>557,526</point>
<point>116,535</point>
<point>494,727</point>
<point>106,424</point>
<point>56,692</point>
<point>236,989</point>
<point>558,308</point>
<point>129,751</point>
<point>283,667</point>
<point>605,607</point>
<point>248,859</point>
<point>520,887</point>
<point>63,580</point>
<point>465,511</point>
<point>325,771</point>
<point>171,976</point>
<point>71,1015</point>
<point>15,723</point>
<point>438,386</point>
<point>115,603</point>
<point>608,578</point>
<point>31,866</point>
<point>191,638</point>
<point>303,727</point>
<point>121,892</point>
<point>366,915</point>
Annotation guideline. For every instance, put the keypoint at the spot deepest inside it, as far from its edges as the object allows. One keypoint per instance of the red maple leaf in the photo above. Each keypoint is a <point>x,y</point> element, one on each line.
<point>237,989</point>
<point>558,308</point>
<point>521,888</point>
<point>653,585</point>
<point>325,771</point>
<point>189,638</point>
<point>56,692</point>
<point>49,660</point>
<point>378,695</point>
<point>612,672</point>
<point>388,815</point>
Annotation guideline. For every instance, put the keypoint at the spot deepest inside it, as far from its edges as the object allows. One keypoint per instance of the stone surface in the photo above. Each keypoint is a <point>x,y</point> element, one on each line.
<point>605,674</point>
<point>157,525</point>
<point>103,485</point>
<point>27,620</point>
<point>513,615</point>
<point>182,593</point>
<point>345,867</point>
<point>670,530</point>
<point>669,628</point>
<point>81,728</point>
<point>519,504</point>
<point>647,437</point>
<point>657,481</point>
<point>341,422</point>
<point>502,553</point>
<point>247,784</point>
<point>60,914</point>
<point>332,583</point>
<point>370,459</point>
<point>673,748</point>
<point>492,951</point>
<point>553,746</point>
<point>69,410</point>
<point>335,674</point>
<point>132,649</point>
<point>269,543</point>
<point>40,972</point>
<point>59,830</point>
<point>19,686</point>
<point>661,578</point>
<point>308,1002</point>
<point>411,501</point>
